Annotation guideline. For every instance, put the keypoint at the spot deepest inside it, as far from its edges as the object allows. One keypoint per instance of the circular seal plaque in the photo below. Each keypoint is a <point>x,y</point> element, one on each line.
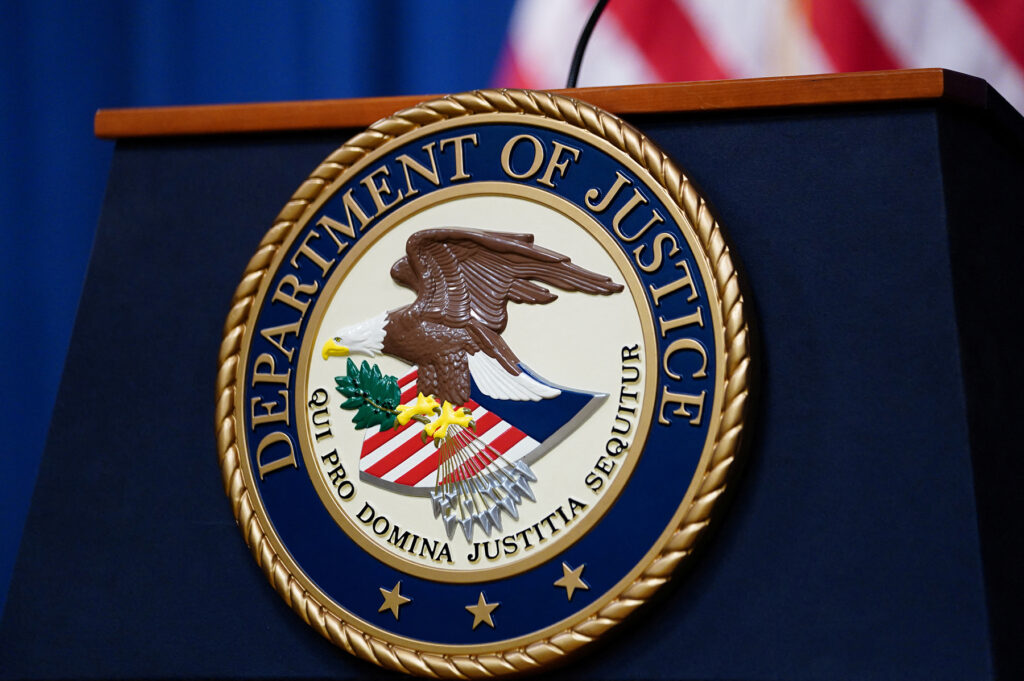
<point>482,384</point>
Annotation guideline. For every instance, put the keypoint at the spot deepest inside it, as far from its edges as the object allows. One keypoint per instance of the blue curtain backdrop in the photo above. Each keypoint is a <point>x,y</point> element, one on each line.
<point>61,60</point>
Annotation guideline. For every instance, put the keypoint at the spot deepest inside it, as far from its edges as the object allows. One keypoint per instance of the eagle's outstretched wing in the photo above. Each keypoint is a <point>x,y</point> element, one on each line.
<point>465,279</point>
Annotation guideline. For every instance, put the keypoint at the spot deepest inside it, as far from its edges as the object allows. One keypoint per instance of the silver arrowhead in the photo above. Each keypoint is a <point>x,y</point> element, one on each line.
<point>494,513</point>
<point>485,488</point>
<point>509,504</point>
<point>525,470</point>
<point>467,528</point>
<point>485,522</point>
<point>449,525</point>
<point>524,486</point>
<point>438,502</point>
<point>512,490</point>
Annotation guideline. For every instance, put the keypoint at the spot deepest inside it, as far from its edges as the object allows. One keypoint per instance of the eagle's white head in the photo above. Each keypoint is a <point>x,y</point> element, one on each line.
<point>364,338</point>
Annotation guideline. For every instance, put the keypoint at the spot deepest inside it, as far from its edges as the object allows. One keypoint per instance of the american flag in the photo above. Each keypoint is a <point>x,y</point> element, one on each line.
<point>648,41</point>
<point>401,457</point>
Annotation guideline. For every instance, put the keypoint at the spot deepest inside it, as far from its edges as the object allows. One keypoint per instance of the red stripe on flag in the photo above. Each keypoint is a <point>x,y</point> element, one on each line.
<point>667,38</point>
<point>504,442</point>
<point>407,449</point>
<point>408,378</point>
<point>1005,20</point>
<point>421,470</point>
<point>481,460</point>
<point>409,394</point>
<point>379,439</point>
<point>486,422</point>
<point>400,454</point>
<point>849,38</point>
<point>508,439</point>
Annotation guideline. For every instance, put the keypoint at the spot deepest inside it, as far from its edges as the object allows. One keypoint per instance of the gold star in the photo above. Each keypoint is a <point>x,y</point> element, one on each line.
<point>393,599</point>
<point>482,611</point>
<point>572,580</point>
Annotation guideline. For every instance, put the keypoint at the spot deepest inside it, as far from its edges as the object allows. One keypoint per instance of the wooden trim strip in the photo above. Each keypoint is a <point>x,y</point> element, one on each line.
<point>721,95</point>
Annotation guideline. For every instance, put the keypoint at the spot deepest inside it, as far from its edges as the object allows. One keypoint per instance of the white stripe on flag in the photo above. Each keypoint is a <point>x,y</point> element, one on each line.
<point>543,37</point>
<point>516,452</point>
<point>413,431</point>
<point>391,445</point>
<point>539,37</point>
<point>612,58</point>
<point>414,460</point>
<point>946,34</point>
<point>421,453</point>
<point>520,449</point>
<point>427,449</point>
<point>755,39</point>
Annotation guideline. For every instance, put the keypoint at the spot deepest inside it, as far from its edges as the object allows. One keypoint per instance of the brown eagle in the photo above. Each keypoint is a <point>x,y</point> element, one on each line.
<point>464,280</point>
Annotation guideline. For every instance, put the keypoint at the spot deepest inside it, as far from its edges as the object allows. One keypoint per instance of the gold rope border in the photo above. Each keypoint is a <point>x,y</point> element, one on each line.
<point>712,485</point>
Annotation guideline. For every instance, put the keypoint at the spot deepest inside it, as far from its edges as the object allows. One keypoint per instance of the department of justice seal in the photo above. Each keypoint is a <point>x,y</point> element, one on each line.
<point>482,384</point>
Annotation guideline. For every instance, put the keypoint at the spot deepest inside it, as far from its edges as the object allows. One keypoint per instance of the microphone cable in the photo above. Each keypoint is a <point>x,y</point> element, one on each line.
<point>581,44</point>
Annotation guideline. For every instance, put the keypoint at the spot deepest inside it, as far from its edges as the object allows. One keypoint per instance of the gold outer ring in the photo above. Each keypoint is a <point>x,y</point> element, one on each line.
<point>694,520</point>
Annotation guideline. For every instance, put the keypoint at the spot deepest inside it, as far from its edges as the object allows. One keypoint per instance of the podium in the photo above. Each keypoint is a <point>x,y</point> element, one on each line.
<point>874,533</point>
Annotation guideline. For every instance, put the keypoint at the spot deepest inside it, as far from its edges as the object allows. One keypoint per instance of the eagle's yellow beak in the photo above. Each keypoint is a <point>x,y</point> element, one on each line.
<point>333,348</point>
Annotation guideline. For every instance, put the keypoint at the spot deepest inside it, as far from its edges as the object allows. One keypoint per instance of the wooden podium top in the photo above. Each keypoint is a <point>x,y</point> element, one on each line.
<point>722,95</point>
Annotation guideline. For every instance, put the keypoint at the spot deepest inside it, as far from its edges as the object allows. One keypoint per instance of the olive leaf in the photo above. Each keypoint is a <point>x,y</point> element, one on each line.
<point>373,395</point>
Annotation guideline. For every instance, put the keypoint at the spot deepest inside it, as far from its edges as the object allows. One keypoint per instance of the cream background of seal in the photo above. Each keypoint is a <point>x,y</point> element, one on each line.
<point>575,341</point>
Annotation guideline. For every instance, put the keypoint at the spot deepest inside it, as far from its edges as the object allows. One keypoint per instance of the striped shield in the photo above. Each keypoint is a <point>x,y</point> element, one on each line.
<point>506,431</point>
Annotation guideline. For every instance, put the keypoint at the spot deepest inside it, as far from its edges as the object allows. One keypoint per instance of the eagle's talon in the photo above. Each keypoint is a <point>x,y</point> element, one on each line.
<point>449,417</point>
<point>472,423</point>
<point>424,405</point>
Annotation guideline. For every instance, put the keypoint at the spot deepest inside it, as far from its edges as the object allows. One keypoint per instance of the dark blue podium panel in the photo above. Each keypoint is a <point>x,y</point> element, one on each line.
<point>875,533</point>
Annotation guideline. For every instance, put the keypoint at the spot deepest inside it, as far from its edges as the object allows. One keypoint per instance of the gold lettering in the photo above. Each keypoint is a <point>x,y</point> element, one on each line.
<point>679,322</point>
<point>684,401</point>
<point>408,163</point>
<point>281,461</point>
<point>673,286</point>
<point>635,200</point>
<point>383,188</point>
<point>332,227</point>
<point>460,161</point>
<point>267,359</point>
<point>275,335</point>
<point>658,258</point>
<point>591,196</point>
<point>291,281</point>
<point>307,250</point>
<point>686,344</point>
<point>506,156</point>
<point>270,416</point>
<point>554,164</point>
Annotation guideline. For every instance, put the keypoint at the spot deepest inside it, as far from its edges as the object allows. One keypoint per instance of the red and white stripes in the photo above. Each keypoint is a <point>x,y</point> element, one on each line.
<point>400,456</point>
<point>638,41</point>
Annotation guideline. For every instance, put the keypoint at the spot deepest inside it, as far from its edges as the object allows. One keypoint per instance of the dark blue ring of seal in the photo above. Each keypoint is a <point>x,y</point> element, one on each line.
<point>615,545</point>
